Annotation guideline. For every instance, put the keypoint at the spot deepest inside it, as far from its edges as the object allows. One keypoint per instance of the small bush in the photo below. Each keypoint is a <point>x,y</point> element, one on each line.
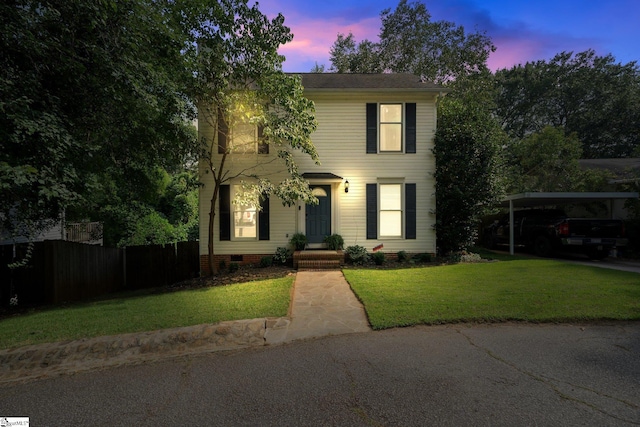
<point>378,258</point>
<point>423,257</point>
<point>282,255</point>
<point>298,241</point>
<point>334,242</point>
<point>402,256</point>
<point>357,254</point>
<point>222,265</point>
<point>266,261</point>
<point>233,267</point>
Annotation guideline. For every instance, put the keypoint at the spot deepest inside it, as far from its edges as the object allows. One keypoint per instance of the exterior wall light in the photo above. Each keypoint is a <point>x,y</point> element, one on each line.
<point>346,186</point>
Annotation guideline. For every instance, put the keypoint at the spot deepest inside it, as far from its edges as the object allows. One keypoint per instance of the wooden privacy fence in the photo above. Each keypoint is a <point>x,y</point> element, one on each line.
<point>60,271</point>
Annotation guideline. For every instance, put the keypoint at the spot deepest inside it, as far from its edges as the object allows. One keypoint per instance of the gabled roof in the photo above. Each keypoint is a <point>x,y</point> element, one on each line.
<point>384,81</point>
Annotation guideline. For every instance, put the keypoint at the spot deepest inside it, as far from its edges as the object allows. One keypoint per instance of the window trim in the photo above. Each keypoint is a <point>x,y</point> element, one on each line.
<point>401,123</point>
<point>402,209</point>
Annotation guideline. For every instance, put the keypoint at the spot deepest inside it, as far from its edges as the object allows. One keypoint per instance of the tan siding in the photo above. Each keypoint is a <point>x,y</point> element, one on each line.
<point>340,141</point>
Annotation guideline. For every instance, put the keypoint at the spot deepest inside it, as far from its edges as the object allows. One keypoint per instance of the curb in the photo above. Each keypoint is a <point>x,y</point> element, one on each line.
<point>53,359</point>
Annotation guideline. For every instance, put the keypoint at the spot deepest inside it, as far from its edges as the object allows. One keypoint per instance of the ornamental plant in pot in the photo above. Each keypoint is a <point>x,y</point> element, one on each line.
<point>298,241</point>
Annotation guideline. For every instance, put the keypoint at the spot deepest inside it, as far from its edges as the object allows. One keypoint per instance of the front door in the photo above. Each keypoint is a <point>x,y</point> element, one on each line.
<point>318,221</point>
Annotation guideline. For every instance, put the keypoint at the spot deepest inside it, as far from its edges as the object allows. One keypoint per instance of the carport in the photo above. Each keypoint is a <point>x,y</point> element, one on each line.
<point>530,200</point>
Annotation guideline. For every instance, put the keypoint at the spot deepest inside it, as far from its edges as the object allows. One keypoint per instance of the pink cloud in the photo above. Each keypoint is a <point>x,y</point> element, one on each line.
<point>312,39</point>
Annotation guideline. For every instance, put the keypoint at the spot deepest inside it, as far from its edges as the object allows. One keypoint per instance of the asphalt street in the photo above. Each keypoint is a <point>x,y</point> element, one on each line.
<point>455,375</point>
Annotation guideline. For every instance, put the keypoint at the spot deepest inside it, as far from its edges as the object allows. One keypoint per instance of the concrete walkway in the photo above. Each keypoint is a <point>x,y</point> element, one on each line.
<point>323,304</point>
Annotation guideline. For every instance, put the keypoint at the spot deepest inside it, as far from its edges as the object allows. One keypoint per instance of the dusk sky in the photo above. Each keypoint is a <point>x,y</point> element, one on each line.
<point>522,30</point>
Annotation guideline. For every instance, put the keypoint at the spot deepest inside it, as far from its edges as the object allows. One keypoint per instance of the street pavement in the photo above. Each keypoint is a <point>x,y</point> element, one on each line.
<point>455,375</point>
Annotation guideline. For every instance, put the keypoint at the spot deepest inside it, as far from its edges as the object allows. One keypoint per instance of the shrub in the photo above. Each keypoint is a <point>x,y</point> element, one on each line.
<point>378,258</point>
<point>266,261</point>
<point>282,255</point>
<point>298,241</point>
<point>402,256</point>
<point>357,254</point>
<point>233,267</point>
<point>423,257</point>
<point>222,265</point>
<point>334,242</point>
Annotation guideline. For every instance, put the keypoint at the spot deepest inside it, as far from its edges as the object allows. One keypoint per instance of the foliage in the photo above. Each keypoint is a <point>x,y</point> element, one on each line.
<point>519,290</point>
<point>239,79</point>
<point>410,42</point>
<point>546,161</point>
<point>402,256</point>
<point>282,255</point>
<point>378,258</point>
<point>357,254</point>
<point>334,242</point>
<point>233,267</point>
<point>298,241</point>
<point>106,99</point>
<point>586,94</point>
<point>266,261</point>
<point>468,172</point>
<point>424,257</point>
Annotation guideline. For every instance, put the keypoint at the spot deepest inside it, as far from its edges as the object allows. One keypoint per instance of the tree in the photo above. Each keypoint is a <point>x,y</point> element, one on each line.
<point>240,83</point>
<point>410,42</point>
<point>468,171</point>
<point>93,95</point>
<point>548,161</point>
<point>589,95</point>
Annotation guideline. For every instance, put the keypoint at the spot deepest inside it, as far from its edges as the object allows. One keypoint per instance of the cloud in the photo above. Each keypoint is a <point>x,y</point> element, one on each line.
<point>312,38</point>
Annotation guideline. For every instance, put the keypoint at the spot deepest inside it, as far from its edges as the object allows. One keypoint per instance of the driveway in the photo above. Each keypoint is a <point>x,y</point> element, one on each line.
<point>498,375</point>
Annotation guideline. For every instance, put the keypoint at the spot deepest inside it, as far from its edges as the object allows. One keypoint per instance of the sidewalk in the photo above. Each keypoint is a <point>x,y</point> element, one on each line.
<point>322,304</point>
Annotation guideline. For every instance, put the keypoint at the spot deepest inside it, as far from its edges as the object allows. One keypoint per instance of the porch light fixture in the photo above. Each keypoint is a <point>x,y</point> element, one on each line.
<point>346,186</point>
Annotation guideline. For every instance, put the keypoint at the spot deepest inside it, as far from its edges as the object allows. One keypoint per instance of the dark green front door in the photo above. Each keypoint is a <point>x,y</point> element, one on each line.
<point>318,221</point>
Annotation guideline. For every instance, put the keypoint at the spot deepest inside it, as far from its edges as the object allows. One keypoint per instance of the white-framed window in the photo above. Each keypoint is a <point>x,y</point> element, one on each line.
<point>391,127</point>
<point>245,219</point>
<point>390,210</point>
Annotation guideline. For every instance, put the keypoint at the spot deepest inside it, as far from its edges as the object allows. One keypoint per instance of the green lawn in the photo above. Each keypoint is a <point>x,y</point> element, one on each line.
<point>523,290</point>
<point>266,298</point>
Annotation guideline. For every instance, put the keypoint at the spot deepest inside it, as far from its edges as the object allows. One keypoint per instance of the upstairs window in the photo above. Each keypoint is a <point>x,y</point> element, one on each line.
<point>391,127</point>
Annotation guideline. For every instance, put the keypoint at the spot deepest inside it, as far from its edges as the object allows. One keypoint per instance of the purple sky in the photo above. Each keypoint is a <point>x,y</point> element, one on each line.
<point>522,30</point>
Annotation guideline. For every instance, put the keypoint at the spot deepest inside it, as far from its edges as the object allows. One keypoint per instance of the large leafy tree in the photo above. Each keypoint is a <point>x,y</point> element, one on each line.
<point>93,99</point>
<point>240,82</point>
<point>586,94</point>
<point>549,161</point>
<point>411,42</point>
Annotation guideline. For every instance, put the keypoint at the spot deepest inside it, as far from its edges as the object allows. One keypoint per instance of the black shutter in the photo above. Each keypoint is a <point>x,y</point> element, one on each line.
<point>225,212</point>
<point>410,211</point>
<point>410,129</point>
<point>372,128</point>
<point>263,220</point>
<point>263,147</point>
<point>372,211</point>
<point>223,130</point>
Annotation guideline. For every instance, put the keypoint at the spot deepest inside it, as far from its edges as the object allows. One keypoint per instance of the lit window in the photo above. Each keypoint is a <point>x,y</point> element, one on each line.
<point>245,219</point>
<point>244,138</point>
<point>390,210</point>
<point>390,127</point>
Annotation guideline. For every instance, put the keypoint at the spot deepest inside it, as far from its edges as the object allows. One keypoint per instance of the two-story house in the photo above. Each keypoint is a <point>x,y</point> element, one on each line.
<point>375,185</point>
